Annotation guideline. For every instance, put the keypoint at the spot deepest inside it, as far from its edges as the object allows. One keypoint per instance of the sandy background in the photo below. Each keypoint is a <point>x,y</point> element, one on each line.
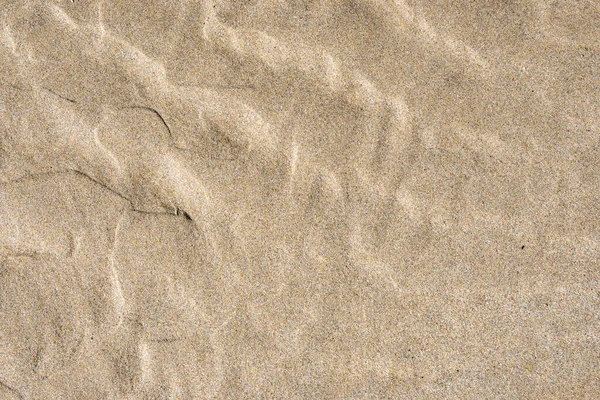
<point>344,199</point>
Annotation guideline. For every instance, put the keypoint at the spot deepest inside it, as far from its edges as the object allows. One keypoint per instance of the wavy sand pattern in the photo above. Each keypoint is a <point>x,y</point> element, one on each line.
<point>343,199</point>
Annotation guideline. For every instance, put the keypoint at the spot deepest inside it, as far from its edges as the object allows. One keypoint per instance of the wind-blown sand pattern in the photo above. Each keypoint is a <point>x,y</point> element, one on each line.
<point>344,199</point>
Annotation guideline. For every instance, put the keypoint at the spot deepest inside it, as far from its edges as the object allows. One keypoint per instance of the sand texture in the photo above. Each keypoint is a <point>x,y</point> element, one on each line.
<point>294,199</point>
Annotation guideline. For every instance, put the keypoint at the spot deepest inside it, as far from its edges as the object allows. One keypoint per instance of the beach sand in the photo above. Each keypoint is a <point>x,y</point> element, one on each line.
<point>343,199</point>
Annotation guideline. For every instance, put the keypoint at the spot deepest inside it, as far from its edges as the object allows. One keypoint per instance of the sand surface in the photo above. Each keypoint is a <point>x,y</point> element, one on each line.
<point>339,199</point>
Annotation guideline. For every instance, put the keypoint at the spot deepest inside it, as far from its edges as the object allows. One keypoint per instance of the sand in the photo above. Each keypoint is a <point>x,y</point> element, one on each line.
<point>343,199</point>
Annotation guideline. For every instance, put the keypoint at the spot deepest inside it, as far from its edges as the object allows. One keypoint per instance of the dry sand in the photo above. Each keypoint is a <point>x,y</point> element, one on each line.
<point>341,199</point>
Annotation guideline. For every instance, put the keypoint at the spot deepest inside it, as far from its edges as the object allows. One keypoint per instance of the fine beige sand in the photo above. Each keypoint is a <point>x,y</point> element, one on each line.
<point>294,199</point>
